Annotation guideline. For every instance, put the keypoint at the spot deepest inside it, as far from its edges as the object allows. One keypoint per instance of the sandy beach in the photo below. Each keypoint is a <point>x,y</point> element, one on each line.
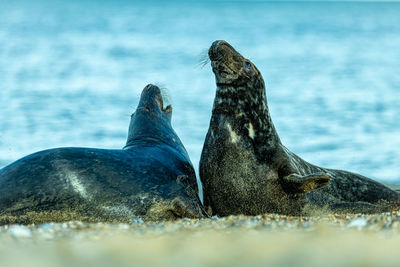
<point>268,240</point>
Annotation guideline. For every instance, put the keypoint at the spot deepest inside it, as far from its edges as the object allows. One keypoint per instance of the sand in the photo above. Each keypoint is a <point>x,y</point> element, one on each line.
<point>268,240</point>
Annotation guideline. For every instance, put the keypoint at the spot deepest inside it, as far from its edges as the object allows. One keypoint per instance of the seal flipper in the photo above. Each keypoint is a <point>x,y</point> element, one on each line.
<point>298,184</point>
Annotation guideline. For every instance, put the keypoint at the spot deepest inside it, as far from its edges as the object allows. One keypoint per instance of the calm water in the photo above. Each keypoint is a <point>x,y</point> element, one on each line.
<point>71,74</point>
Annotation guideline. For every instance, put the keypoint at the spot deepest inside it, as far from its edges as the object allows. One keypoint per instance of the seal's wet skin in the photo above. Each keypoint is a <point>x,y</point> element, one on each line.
<point>151,178</point>
<point>244,167</point>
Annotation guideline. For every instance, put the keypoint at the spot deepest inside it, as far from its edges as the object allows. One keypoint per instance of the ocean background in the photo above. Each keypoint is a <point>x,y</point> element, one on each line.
<point>71,73</point>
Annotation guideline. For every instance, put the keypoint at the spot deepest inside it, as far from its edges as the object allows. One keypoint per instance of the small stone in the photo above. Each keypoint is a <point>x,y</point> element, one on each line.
<point>358,223</point>
<point>46,226</point>
<point>137,221</point>
<point>19,231</point>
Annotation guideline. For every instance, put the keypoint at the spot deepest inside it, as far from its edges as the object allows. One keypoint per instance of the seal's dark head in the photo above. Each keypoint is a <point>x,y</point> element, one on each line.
<point>151,122</point>
<point>231,69</point>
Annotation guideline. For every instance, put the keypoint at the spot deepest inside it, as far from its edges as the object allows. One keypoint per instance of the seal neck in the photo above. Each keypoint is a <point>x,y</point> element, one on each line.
<point>147,129</point>
<point>246,106</point>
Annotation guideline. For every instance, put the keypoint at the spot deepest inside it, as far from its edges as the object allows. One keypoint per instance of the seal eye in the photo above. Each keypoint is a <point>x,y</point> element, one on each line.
<point>247,65</point>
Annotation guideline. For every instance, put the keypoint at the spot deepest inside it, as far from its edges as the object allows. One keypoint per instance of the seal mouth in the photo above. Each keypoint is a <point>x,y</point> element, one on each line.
<point>162,97</point>
<point>166,109</point>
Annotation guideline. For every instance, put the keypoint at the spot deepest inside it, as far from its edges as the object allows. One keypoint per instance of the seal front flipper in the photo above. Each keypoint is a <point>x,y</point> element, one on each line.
<point>175,208</point>
<point>298,184</point>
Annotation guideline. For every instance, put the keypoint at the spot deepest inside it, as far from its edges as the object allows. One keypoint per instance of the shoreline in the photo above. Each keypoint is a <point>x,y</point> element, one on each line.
<point>266,222</point>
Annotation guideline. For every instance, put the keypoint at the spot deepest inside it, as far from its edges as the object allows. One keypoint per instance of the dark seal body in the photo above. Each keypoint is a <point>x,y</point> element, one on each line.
<point>151,178</point>
<point>245,169</point>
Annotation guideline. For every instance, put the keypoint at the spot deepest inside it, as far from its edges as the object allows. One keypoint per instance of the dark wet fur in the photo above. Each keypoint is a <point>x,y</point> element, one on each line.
<point>245,169</point>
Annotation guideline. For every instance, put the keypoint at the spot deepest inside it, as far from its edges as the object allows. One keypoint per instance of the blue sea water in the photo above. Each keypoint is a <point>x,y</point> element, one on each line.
<point>71,72</point>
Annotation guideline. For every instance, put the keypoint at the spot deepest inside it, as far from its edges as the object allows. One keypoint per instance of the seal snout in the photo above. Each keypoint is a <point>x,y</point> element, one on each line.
<point>226,63</point>
<point>218,49</point>
<point>151,99</point>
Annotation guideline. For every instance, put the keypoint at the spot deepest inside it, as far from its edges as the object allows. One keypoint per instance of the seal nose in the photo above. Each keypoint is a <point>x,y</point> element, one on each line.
<point>217,49</point>
<point>213,51</point>
<point>150,88</point>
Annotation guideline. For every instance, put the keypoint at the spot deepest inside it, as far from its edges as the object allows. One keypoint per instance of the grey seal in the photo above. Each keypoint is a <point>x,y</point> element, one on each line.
<point>245,169</point>
<point>151,178</point>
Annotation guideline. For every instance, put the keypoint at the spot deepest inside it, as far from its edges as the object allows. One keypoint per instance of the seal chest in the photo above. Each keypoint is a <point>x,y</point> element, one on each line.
<point>245,169</point>
<point>151,178</point>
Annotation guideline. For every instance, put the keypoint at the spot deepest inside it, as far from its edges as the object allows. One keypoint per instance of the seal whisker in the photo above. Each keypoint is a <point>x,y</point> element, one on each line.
<point>203,59</point>
<point>165,95</point>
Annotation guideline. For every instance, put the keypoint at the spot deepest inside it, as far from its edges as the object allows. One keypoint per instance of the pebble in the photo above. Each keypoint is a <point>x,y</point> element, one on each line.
<point>358,223</point>
<point>137,220</point>
<point>19,231</point>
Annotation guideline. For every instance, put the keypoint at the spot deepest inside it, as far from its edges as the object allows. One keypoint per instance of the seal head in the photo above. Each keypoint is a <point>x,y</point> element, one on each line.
<point>151,122</point>
<point>231,68</point>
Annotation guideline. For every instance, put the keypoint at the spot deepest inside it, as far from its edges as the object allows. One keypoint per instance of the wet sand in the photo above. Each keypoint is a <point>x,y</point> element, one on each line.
<point>272,240</point>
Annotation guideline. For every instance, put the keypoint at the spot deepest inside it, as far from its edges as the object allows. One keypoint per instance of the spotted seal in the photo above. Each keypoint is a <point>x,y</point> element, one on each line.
<point>245,169</point>
<point>151,177</point>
